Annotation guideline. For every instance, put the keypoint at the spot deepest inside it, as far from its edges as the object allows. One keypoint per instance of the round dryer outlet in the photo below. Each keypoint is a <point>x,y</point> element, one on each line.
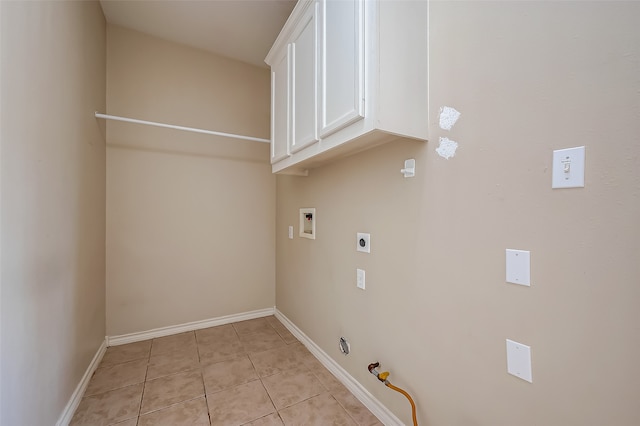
<point>363,242</point>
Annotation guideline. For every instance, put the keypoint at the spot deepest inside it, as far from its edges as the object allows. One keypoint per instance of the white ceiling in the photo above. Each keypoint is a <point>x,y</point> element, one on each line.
<point>238,29</point>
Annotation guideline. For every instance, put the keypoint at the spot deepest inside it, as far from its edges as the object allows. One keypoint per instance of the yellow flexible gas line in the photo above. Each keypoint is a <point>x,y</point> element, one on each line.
<point>413,405</point>
<point>383,378</point>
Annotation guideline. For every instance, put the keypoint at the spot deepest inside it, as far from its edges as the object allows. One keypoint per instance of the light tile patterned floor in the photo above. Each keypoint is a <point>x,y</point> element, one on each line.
<point>248,373</point>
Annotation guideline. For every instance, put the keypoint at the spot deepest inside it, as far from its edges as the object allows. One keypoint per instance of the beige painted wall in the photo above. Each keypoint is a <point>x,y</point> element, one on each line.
<point>190,218</point>
<point>53,204</point>
<point>528,78</point>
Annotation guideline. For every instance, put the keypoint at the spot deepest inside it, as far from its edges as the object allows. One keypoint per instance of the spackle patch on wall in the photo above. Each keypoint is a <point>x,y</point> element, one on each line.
<point>448,117</point>
<point>447,148</point>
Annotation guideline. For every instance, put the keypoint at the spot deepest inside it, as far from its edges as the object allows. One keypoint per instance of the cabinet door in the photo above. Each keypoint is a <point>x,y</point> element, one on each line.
<point>280,107</point>
<point>304,82</point>
<point>342,62</point>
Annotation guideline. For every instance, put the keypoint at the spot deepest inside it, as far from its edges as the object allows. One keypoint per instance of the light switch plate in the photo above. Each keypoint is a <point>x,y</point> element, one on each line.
<point>518,267</point>
<point>360,278</point>
<point>568,168</point>
<point>291,232</point>
<point>519,360</point>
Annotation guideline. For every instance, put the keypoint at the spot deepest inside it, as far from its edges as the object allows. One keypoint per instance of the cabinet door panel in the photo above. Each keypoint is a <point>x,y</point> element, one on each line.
<point>304,83</point>
<point>342,71</point>
<point>280,109</point>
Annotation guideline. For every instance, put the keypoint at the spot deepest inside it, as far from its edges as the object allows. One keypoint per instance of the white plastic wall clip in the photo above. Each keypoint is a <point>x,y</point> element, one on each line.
<point>409,168</point>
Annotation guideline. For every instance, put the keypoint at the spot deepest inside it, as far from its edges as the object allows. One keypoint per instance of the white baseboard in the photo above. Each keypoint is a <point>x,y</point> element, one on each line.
<point>376,407</point>
<point>74,401</point>
<point>182,328</point>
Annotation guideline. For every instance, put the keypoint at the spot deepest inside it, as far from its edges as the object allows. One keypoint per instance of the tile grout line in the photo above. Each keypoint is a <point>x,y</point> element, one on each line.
<point>344,408</point>
<point>262,383</point>
<point>265,389</point>
<point>144,383</point>
<point>173,374</point>
<point>173,405</point>
<point>269,395</point>
<point>116,388</point>
<point>206,400</point>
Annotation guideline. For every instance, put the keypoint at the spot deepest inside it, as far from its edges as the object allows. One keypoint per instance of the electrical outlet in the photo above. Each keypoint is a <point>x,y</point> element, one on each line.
<point>363,242</point>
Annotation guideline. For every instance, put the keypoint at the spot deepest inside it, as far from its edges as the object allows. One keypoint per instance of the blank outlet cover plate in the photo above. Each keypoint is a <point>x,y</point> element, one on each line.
<point>568,168</point>
<point>518,267</point>
<point>519,360</point>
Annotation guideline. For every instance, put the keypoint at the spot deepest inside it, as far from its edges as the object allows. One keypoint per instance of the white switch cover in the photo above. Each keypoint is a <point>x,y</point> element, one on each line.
<point>360,278</point>
<point>519,360</point>
<point>568,168</point>
<point>291,232</point>
<point>519,267</point>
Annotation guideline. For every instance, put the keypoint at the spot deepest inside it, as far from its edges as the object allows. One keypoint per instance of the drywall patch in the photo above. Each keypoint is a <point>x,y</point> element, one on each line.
<point>448,117</point>
<point>447,148</point>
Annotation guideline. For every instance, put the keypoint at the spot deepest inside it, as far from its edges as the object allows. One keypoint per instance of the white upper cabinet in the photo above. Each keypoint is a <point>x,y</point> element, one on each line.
<point>341,66</point>
<point>280,107</point>
<point>347,75</point>
<point>304,82</point>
